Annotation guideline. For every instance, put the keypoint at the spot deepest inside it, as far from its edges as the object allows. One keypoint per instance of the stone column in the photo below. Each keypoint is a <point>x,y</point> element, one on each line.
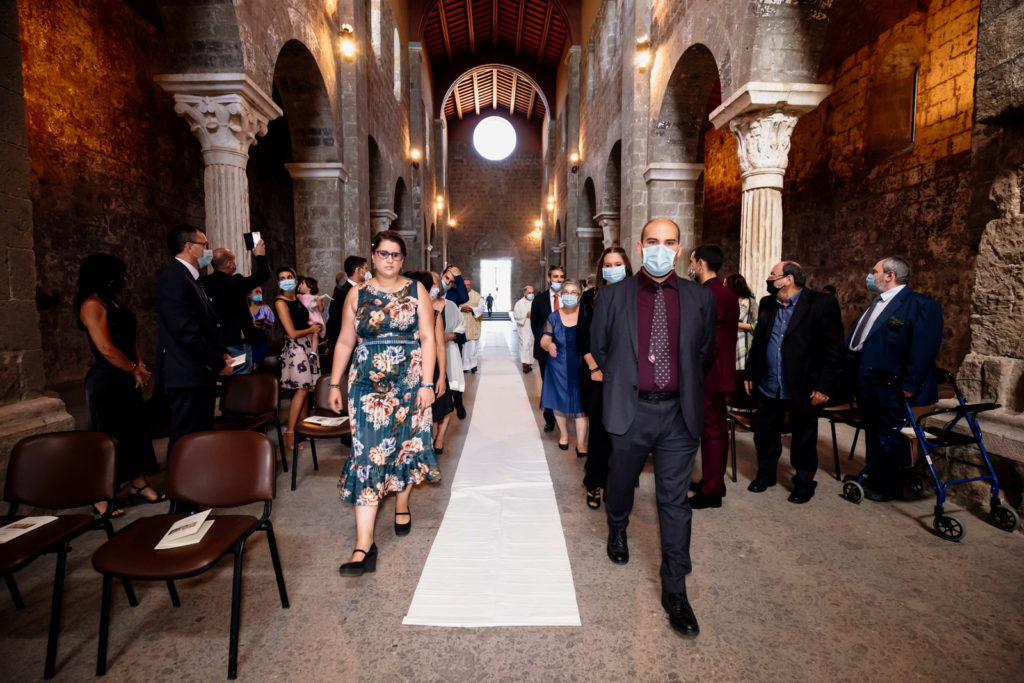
<point>610,226</point>
<point>381,219</point>
<point>319,234</point>
<point>588,240</point>
<point>225,111</point>
<point>762,117</point>
<point>671,193</point>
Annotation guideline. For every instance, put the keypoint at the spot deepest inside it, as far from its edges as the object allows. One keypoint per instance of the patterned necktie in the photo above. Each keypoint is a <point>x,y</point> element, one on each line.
<point>199,281</point>
<point>863,328</point>
<point>556,303</point>
<point>659,340</point>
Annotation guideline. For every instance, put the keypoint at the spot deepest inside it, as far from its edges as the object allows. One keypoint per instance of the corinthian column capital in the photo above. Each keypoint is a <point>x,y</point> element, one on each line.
<point>226,112</point>
<point>762,140</point>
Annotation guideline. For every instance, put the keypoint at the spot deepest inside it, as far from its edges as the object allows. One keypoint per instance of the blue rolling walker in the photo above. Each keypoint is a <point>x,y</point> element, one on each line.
<point>935,442</point>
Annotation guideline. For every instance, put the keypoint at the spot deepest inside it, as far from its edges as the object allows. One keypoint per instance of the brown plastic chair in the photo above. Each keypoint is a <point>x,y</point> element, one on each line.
<point>312,432</point>
<point>209,470</point>
<point>252,403</point>
<point>269,365</point>
<point>740,412</point>
<point>56,471</point>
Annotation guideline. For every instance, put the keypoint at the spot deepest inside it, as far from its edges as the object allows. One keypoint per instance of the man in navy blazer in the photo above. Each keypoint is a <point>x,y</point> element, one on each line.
<point>653,337</point>
<point>891,360</point>
<point>190,349</point>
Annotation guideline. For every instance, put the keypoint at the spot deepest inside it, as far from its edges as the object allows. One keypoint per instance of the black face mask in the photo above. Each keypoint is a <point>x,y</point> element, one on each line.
<point>771,287</point>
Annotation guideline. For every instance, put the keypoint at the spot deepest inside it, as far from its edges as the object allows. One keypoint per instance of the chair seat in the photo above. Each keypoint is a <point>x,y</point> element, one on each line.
<point>322,432</point>
<point>130,553</point>
<point>242,424</point>
<point>26,547</point>
<point>743,419</point>
<point>849,416</point>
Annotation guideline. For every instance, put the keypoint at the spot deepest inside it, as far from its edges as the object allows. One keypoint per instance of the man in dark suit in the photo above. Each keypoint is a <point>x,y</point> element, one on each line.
<point>652,336</point>
<point>356,269</point>
<point>705,262</point>
<point>543,305</point>
<point>794,367</point>
<point>190,348</point>
<point>891,360</point>
<point>228,291</point>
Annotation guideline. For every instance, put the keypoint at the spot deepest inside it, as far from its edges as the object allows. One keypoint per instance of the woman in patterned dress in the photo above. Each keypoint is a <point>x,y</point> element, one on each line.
<point>300,366</point>
<point>389,397</point>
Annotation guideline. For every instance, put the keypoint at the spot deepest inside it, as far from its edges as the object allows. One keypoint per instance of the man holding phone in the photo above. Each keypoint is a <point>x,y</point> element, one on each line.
<point>228,292</point>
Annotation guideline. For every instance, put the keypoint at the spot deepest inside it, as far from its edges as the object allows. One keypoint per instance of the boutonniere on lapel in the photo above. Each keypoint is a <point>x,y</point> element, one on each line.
<point>897,322</point>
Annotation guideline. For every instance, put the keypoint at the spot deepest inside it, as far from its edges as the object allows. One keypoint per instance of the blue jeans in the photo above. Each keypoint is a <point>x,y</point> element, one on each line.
<point>246,367</point>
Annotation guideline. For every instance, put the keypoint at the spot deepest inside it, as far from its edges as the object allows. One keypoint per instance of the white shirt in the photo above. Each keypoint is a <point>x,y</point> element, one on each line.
<point>521,310</point>
<point>351,283</point>
<point>192,269</point>
<point>886,297</point>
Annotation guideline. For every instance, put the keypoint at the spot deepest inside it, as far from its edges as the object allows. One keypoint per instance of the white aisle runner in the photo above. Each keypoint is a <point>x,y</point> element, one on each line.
<point>499,558</point>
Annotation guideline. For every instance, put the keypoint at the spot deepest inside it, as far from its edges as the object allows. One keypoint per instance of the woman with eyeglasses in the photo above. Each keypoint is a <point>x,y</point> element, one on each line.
<point>390,393</point>
<point>300,366</point>
<point>561,392</point>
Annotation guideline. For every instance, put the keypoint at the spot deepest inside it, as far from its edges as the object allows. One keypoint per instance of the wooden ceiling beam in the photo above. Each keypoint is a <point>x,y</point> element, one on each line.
<point>444,30</point>
<point>476,95</point>
<point>458,104</point>
<point>494,85</point>
<point>519,25</point>
<point>469,16</point>
<point>494,23</point>
<point>544,34</point>
<point>529,108</point>
<point>512,106</point>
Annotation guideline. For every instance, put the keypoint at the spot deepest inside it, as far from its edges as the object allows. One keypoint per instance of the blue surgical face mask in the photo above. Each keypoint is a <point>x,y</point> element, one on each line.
<point>570,300</point>
<point>658,259</point>
<point>870,283</point>
<point>529,297</point>
<point>445,284</point>
<point>613,274</point>
<point>556,286</point>
<point>257,298</point>
<point>434,291</point>
<point>206,259</point>
<point>287,285</point>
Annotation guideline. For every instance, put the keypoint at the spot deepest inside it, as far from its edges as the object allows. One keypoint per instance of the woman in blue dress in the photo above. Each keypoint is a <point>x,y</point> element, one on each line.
<point>562,375</point>
<point>389,395</point>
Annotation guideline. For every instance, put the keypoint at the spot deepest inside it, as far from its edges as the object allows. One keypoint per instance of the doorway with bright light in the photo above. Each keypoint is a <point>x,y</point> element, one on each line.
<point>496,279</point>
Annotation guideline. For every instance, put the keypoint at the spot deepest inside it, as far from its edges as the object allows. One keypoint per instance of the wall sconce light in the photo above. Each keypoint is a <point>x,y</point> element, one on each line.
<point>414,156</point>
<point>574,161</point>
<point>451,222</point>
<point>348,42</point>
<point>551,202</point>
<point>439,201</point>
<point>537,223</point>
<point>643,53</point>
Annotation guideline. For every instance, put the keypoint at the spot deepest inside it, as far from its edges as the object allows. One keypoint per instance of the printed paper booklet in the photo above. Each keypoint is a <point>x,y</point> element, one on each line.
<point>186,531</point>
<point>22,526</point>
<point>324,421</point>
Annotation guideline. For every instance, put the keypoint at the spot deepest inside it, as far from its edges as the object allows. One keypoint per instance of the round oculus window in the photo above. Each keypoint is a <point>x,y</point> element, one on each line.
<point>494,138</point>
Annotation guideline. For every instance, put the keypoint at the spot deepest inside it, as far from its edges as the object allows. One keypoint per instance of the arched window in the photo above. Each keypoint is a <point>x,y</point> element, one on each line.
<point>398,64</point>
<point>375,26</point>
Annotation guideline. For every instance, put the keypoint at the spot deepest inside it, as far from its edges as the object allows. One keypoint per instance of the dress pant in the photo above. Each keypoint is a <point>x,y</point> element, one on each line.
<point>887,451</point>
<point>599,446</point>
<point>191,411</point>
<point>542,364</point>
<point>768,428</point>
<point>658,429</point>
<point>714,443</point>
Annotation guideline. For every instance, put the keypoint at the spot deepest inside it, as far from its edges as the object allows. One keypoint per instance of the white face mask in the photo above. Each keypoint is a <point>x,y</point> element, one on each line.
<point>367,275</point>
<point>434,291</point>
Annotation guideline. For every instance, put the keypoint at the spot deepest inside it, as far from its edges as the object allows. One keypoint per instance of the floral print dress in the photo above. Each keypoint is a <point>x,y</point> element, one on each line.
<point>392,445</point>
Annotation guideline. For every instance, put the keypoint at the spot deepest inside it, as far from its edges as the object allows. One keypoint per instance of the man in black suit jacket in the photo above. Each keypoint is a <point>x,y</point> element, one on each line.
<point>543,305</point>
<point>793,368</point>
<point>652,336</point>
<point>190,349</point>
<point>355,273</point>
<point>228,291</point>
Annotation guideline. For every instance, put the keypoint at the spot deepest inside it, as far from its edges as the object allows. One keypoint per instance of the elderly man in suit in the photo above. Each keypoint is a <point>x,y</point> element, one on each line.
<point>190,348</point>
<point>705,262</point>
<point>794,367</point>
<point>891,360</point>
<point>652,336</point>
<point>543,305</point>
<point>228,291</point>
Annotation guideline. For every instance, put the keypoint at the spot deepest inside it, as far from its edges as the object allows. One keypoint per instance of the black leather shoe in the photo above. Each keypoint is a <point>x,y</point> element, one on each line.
<point>695,487</point>
<point>365,566</point>
<point>460,412</point>
<point>403,529</point>
<point>701,500</point>
<point>801,495</point>
<point>549,427</point>
<point>618,547</point>
<point>761,484</point>
<point>680,614</point>
<point>527,368</point>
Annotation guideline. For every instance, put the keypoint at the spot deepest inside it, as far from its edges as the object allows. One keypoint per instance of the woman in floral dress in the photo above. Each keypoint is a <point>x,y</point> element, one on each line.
<point>300,366</point>
<point>389,395</point>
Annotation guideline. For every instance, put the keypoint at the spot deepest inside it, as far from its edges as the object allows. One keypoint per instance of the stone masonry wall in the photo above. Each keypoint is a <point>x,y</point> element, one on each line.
<point>722,192</point>
<point>495,204</point>
<point>842,212</point>
<point>112,166</point>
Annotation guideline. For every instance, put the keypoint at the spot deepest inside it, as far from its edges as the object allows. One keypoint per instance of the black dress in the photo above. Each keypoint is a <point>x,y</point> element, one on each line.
<point>444,403</point>
<point>599,446</point>
<point>114,403</point>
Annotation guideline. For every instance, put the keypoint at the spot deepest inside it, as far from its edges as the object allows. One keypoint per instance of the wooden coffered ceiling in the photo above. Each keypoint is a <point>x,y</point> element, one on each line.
<point>494,87</point>
<point>534,29</point>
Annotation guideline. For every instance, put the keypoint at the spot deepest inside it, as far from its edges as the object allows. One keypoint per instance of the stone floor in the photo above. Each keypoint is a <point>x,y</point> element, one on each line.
<point>824,591</point>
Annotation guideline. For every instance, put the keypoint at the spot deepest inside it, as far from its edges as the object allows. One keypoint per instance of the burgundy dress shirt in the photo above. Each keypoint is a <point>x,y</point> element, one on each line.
<point>646,288</point>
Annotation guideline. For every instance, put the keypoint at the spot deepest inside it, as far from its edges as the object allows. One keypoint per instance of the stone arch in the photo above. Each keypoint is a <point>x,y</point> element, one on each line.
<point>611,195</point>
<point>402,207</point>
<point>381,198</point>
<point>588,208</point>
<point>304,99</point>
<point>504,66</point>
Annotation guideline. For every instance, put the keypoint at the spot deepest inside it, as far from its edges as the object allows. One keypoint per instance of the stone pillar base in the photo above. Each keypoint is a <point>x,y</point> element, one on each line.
<point>25,418</point>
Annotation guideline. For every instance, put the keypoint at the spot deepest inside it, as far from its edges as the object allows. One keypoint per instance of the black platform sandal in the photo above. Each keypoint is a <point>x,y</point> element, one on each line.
<point>403,529</point>
<point>365,566</point>
<point>594,499</point>
<point>136,492</point>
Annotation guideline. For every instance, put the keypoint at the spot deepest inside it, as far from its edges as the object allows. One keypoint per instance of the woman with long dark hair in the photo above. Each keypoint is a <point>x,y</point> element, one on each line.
<point>113,385</point>
<point>737,284</point>
<point>612,266</point>
<point>300,365</point>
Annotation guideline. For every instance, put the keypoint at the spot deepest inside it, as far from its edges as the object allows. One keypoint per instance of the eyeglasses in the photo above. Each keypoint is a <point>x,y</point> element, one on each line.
<point>202,244</point>
<point>389,255</point>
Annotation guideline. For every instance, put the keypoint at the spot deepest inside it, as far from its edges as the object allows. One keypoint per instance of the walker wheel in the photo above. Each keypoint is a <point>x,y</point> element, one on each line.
<point>949,527</point>
<point>915,484</point>
<point>1005,518</point>
<point>853,492</point>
